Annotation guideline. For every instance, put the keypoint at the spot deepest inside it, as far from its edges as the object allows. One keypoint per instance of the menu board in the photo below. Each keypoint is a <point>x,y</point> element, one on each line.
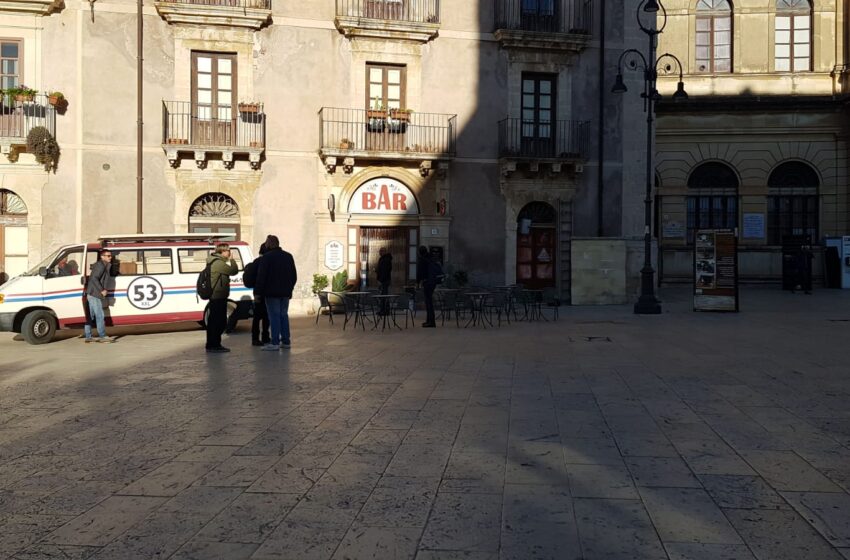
<point>716,270</point>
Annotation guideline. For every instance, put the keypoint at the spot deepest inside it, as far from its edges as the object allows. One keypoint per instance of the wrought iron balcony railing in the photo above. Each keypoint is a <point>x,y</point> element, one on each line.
<point>565,140</point>
<point>19,116</point>
<point>400,134</point>
<point>412,11</point>
<point>258,4</point>
<point>545,16</point>
<point>188,126</point>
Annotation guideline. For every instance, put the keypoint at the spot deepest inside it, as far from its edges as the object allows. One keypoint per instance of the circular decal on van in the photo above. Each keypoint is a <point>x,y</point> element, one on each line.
<point>144,292</point>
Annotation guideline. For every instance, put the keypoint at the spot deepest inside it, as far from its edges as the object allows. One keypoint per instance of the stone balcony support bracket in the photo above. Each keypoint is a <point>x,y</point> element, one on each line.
<point>213,15</point>
<point>201,155</point>
<point>353,26</point>
<point>560,42</point>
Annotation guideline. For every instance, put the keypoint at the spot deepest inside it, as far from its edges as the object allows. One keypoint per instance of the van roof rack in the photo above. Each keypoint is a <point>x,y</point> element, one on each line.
<point>152,237</point>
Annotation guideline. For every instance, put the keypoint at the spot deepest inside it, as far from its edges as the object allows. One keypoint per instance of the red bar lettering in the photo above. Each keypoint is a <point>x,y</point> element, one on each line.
<point>384,200</point>
<point>369,201</point>
<point>398,202</point>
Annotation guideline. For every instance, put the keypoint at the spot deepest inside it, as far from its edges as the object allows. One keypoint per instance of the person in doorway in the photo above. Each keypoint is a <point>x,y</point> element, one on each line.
<point>804,268</point>
<point>276,277</point>
<point>385,269</point>
<point>222,267</point>
<point>426,276</point>
<point>260,322</point>
<point>100,283</point>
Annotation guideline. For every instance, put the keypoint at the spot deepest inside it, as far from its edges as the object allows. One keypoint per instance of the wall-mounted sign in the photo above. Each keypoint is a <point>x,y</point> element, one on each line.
<point>673,230</point>
<point>334,255</point>
<point>383,196</point>
<point>715,270</point>
<point>753,226</point>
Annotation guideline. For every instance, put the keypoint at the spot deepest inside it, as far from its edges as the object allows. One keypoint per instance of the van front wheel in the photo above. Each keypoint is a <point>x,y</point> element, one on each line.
<point>39,327</point>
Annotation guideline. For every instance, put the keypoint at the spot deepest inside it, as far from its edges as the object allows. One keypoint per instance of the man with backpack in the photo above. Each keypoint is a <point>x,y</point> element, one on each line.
<point>276,277</point>
<point>260,322</point>
<point>221,267</point>
<point>429,273</point>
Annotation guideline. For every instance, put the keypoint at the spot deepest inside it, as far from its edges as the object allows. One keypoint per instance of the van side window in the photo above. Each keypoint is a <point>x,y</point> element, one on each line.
<point>148,262</point>
<point>194,260</point>
<point>68,264</point>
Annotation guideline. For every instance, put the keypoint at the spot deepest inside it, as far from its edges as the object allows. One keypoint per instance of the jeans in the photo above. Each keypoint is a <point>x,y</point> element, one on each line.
<point>429,303</point>
<point>278,309</point>
<point>260,322</point>
<point>96,314</point>
<point>217,322</point>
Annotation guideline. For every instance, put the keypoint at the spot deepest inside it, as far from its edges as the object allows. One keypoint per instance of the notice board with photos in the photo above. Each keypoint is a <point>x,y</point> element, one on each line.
<point>716,270</point>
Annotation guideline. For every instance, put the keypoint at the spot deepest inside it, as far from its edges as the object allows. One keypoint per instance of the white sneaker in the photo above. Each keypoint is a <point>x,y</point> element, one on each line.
<point>271,347</point>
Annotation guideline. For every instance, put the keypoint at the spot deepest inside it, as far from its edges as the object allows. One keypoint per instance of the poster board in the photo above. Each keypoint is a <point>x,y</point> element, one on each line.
<point>716,270</point>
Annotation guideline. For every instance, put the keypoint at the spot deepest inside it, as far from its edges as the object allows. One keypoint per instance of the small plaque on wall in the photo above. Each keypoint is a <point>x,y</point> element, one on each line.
<point>334,255</point>
<point>673,230</point>
<point>753,226</point>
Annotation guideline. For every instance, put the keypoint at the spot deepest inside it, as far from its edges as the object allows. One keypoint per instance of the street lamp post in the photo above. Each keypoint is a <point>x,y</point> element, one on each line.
<point>633,59</point>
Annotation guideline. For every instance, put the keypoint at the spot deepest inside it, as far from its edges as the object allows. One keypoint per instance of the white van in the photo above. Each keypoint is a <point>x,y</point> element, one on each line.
<point>156,278</point>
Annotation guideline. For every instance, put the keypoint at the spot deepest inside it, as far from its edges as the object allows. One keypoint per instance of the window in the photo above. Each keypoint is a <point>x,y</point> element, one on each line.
<point>385,87</point>
<point>215,213</point>
<point>67,264</point>
<point>194,260</point>
<point>147,262</point>
<point>538,114</point>
<point>214,95</point>
<point>714,36</point>
<point>793,50</point>
<point>14,236</point>
<point>10,63</point>
<point>792,202</point>
<point>714,202</point>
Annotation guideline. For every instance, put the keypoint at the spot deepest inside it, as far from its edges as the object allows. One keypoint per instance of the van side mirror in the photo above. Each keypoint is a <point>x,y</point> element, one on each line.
<point>42,271</point>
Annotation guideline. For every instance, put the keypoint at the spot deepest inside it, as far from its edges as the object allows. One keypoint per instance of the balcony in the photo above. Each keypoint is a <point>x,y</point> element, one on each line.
<point>347,134</point>
<point>249,14</point>
<point>17,118</point>
<point>31,7</point>
<point>412,20</point>
<point>555,25</point>
<point>557,145</point>
<point>191,129</point>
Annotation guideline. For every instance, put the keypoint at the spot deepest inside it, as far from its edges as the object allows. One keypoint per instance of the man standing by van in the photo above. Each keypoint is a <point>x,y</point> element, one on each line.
<point>276,277</point>
<point>222,267</point>
<point>97,288</point>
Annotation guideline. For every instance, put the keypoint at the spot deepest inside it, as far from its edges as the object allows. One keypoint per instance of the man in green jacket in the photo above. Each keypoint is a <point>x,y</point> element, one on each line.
<point>222,267</point>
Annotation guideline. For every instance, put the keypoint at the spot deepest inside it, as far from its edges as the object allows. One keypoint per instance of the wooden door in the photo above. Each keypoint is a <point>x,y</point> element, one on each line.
<point>536,258</point>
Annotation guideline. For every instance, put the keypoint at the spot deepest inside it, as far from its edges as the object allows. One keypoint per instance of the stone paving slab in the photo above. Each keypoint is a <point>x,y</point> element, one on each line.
<point>605,435</point>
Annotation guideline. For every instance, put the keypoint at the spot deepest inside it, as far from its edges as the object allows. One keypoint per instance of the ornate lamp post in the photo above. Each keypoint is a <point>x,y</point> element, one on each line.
<point>633,59</point>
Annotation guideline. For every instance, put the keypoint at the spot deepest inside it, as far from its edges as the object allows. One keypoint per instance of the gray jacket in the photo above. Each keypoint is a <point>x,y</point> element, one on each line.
<point>100,279</point>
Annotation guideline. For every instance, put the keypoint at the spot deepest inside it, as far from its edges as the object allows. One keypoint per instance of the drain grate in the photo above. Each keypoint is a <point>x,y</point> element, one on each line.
<point>598,339</point>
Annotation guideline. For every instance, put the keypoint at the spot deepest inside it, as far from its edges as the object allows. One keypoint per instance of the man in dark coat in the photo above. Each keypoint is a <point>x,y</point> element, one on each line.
<point>100,282</point>
<point>426,275</point>
<point>276,278</point>
<point>385,270</point>
<point>260,322</point>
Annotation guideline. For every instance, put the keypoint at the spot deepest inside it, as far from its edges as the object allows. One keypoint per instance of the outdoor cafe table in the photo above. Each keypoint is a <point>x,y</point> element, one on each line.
<point>359,308</point>
<point>387,311</point>
<point>478,315</point>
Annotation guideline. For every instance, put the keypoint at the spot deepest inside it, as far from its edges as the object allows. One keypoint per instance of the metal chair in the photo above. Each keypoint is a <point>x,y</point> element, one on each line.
<point>497,303</point>
<point>325,303</point>
<point>403,305</point>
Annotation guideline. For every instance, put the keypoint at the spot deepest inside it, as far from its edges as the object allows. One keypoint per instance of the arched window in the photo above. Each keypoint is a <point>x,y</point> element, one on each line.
<point>792,202</point>
<point>714,36</point>
<point>14,251</point>
<point>713,198</point>
<point>793,50</point>
<point>215,213</point>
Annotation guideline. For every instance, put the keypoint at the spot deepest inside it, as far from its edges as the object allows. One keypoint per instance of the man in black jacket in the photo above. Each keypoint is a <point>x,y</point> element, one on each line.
<point>260,322</point>
<point>99,284</point>
<point>276,277</point>
<point>385,269</point>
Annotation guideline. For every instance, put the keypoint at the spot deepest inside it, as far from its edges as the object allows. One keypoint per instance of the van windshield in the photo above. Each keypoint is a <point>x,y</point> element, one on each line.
<point>45,263</point>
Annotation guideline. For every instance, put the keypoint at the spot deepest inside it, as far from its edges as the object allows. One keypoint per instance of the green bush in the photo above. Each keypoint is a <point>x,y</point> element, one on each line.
<point>320,282</point>
<point>43,146</point>
<point>340,281</point>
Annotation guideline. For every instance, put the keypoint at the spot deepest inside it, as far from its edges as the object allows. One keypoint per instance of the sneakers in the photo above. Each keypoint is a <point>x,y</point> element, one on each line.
<point>87,340</point>
<point>271,347</point>
<point>286,345</point>
<point>106,339</point>
<point>219,350</point>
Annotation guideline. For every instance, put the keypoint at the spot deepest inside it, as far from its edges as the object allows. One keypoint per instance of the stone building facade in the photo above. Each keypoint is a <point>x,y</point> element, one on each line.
<point>339,125</point>
<point>761,143</point>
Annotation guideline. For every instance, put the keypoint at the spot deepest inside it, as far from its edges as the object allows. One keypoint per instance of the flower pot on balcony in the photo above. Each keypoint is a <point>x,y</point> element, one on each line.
<point>346,145</point>
<point>376,114</point>
<point>256,144</point>
<point>403,116</point>
<point>249,107</point>
<point>24,98</point>
<point>177,141</point>
<point>396,126</point>
<point>376,124</point>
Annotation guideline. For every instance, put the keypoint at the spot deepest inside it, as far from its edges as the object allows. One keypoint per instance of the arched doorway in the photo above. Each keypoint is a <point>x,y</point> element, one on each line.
<point>792,202</point>
<point>536,244</point>
<point>712,201</point>
<point>215,213</point>
<point>14,240</point>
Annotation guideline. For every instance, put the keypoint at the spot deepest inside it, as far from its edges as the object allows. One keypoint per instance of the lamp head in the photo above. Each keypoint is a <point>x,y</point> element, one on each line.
<point>619,85</point>
<point>650,6</point>
<point>681,94</point>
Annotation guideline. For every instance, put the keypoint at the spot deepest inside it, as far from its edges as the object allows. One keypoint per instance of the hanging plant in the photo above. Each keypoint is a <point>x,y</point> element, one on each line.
<point>43,146</point>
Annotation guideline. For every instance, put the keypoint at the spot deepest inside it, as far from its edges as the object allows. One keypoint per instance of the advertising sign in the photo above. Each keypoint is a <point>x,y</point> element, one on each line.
<point>334,255</point>
<point>715,270</point>
<point>383,196</point>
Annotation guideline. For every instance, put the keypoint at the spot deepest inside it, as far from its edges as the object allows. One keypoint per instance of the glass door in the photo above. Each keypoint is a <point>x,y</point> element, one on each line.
<point>213,99</point>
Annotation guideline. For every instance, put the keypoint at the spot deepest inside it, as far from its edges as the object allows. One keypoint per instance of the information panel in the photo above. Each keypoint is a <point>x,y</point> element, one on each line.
<point>716,270</point>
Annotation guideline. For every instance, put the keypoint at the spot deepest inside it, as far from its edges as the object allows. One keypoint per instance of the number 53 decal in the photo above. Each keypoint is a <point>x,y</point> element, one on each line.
<point>144,292</point>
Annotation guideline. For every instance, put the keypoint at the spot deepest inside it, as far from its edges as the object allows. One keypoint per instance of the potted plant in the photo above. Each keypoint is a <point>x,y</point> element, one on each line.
<point>249,107</point>
<point>43,146</point>
<point>21,93</point>
<point>340,281</point>
<point>401,114</point>
<point>376,111</point>
<point>346,144</point>
<point>55,98</point>
<point>320,282</point>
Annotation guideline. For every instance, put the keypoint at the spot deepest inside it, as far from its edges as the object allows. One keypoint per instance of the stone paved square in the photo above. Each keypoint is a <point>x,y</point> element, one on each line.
<point>603,435</point>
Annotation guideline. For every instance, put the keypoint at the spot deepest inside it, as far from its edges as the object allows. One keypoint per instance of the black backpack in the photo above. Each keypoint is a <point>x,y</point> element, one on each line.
<point>205,285</point>
<point>249,275</point>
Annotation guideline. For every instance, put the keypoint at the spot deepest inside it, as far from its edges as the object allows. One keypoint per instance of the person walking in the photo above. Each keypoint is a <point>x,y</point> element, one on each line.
<point>276,277</point>
<point>260,322</point>
<point>385,269</point>
<point>222,267</point>
<point>100,282</point>
<point>426,276</point>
